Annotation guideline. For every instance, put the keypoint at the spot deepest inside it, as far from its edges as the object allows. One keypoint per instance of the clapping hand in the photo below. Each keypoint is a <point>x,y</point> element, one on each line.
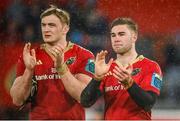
<point>123,74</point>
<point>29,56</point>
<point>57,54</point>
<point>101,68</point>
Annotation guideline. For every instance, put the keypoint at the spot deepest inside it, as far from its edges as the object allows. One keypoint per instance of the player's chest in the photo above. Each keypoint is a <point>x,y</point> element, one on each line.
<point>113,86</point>
<point>45,66</point>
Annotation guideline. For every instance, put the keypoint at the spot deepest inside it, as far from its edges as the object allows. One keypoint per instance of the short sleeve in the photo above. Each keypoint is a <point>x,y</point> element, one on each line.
<point>85,63</point>
<point>152,80</point>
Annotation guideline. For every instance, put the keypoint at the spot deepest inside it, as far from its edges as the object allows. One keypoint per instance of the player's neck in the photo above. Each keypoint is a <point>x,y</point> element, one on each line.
<point>127,58</point>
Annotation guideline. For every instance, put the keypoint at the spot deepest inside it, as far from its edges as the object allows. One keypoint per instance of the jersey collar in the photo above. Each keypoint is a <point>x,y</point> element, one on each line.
<point>139,58</point>
<point>69,46</point>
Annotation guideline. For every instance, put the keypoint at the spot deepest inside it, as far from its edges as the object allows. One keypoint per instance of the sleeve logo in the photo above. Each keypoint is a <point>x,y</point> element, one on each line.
<point>135,71</point>
<point>70,60</point>
<point>156,81</point>
<point>90,66</point>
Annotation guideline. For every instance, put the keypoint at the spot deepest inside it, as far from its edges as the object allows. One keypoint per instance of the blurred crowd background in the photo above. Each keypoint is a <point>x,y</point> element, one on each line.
<point>159,40</point>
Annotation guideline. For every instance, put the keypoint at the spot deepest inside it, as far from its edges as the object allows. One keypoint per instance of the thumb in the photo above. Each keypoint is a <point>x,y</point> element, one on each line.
<point>97,57</point>
<point>26,49</point>
<point>28,45</point>
<point>33,54</point>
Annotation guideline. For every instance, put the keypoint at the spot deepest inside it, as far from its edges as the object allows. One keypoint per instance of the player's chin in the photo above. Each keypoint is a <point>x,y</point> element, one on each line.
<point>119,51</point>
<point>47,40</point>
<point>116,49</point>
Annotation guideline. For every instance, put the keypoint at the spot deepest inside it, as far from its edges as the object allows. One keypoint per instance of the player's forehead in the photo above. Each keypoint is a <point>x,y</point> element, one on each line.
<point>120,28</point>
<point>50,19</point>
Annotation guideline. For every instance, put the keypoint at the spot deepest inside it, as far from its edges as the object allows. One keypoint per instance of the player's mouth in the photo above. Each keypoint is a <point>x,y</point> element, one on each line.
<point>47,36</point>
<point>118,45</point>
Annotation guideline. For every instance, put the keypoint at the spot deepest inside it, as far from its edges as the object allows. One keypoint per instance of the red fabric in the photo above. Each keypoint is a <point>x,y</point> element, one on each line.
<point>152,16</point>
<point>118,103</point>
<point>52,100</point>
<point>8,59</point>
<point>4,4</point>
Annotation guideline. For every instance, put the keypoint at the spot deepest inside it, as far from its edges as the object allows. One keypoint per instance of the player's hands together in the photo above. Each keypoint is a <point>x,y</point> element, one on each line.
<point>101,68</point>
<point>29,56</point>
<point>57,53</point>
<point>123,74</point>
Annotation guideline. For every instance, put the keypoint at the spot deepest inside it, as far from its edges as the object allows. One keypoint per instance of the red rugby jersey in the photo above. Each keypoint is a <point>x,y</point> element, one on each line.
<point>118,103</point>
<point>52,100</point>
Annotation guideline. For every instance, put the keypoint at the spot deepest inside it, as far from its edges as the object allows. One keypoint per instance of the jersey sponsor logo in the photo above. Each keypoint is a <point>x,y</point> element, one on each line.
<point>47,77</point>
<point>70,60</point>
<point>156,81</point>
<point>54,75</point>
<point>90,66</point>
<point>114,88</point>
<point>135,71</point>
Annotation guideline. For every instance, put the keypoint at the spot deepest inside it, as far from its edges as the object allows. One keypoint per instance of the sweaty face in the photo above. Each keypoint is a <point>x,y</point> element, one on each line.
<point>122,39</point>
<point>52,29</point>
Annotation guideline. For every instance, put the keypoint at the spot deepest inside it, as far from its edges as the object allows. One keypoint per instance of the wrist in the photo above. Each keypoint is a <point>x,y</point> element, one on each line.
<point>95,82</point>
<point>28,74</point>
<point>127,84</point>
<point>62,69</point>
<point>29,71</point>
<point>131,81</point>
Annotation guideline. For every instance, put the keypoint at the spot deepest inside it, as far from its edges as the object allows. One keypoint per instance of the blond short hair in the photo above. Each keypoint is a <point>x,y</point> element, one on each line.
<point>61,14</point>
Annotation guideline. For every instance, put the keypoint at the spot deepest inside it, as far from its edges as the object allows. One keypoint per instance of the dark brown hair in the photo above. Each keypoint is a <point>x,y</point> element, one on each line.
<point>125,21</point>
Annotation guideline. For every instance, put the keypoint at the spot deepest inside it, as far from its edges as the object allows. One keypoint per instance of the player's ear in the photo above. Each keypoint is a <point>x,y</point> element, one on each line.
<point>65,29</point>
<point>134,36</point>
